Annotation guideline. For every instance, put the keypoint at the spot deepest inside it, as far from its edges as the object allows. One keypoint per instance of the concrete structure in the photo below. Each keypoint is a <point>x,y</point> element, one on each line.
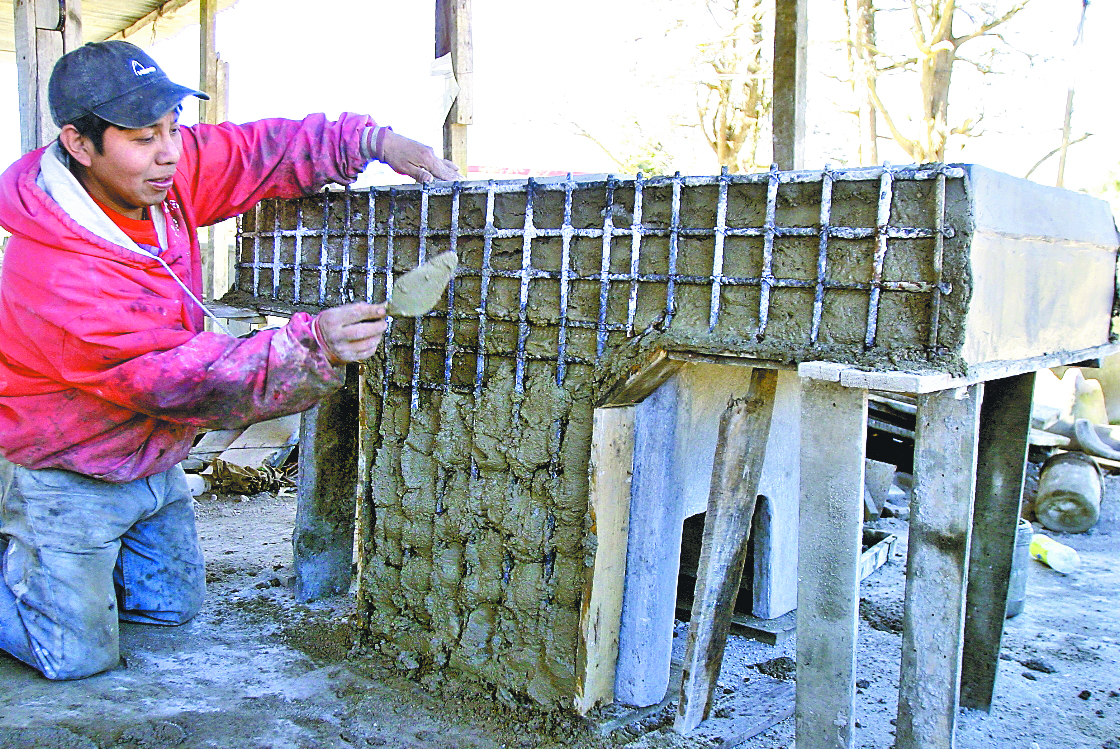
<point>675,437</point>
<point>509,441</point>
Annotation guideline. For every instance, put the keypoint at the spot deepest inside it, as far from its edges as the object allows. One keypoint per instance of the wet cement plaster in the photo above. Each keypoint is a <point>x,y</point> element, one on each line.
<point>478,539</point>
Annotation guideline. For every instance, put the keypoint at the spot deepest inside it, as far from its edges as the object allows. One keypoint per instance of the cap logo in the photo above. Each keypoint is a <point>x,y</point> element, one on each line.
<point>140,70</point>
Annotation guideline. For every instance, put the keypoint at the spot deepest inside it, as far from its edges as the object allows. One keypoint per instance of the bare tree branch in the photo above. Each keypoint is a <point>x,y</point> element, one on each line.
<point>984,29</point>
<point>1041,161</point>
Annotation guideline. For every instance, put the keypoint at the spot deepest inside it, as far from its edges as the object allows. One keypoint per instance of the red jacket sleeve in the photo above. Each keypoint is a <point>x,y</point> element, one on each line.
<point>230,168</point>
<point>212,380</point>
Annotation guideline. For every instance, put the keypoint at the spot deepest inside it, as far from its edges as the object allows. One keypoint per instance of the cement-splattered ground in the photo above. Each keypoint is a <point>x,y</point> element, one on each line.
<point>256,669</point>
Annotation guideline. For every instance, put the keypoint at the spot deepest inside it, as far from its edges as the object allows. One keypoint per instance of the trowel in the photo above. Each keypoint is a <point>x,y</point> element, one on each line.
<point>417,292</point>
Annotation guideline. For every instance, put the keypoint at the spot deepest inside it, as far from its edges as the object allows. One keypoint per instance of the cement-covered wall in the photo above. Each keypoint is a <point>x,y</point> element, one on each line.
<point>478,544</point>
<point>476,420</point>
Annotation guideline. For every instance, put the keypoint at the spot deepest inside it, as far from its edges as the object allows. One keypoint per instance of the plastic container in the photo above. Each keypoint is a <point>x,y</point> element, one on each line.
<point>1054,554</point>
<point>1017,583</point>
<point>1069,493</point>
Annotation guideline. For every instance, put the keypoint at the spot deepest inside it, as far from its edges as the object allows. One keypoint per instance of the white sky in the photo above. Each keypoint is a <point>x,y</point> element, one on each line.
<point>600,63</point>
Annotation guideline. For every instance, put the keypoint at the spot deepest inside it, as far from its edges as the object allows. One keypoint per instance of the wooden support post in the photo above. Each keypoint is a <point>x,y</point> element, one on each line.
<point>830,532</point>
<point>612,455</point>
<point>791,37</point>
<point>209,113</point>
<point>323,540</point>
<point>45,30</point>
<point>740,452</point>
<point>1005,420</point>
<point>945,443</point>
<point>453,35</point>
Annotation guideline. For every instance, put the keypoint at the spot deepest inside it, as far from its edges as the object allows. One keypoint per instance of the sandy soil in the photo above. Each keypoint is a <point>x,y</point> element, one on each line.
<point>258,669</point>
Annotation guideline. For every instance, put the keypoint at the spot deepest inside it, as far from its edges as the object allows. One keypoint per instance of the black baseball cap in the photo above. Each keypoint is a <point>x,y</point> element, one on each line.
<point>116,81</point>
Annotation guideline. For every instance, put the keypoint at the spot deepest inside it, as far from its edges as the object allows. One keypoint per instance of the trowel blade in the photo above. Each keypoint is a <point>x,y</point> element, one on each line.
<point>417,292</point>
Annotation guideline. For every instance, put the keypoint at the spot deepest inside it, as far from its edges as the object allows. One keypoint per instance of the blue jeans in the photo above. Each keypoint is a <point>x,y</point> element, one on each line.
<point>78,554</point>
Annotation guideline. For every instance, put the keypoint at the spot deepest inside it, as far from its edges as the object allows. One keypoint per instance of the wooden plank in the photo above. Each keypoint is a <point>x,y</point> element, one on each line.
<point>209,112</point>
<point>27,70</point>
<point>226,312</point>
<point>72,27</point>
<point>929,381</point>
<point>1005,418</point>
<point>48,15</point>
<point>876,555</point>
<point>945,446</point>
<point>691,357</point>
<point>612,455</point>
<point>453,35</point>
<point>637,386</point>
<point>740,452</point>
<point>833,442</point>
<point>264,443</point>
<point>368,441</point>
<point>48,47</point>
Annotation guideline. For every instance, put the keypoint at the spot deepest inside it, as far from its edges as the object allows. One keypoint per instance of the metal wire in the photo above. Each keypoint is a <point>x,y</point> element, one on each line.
<point>407,215</point>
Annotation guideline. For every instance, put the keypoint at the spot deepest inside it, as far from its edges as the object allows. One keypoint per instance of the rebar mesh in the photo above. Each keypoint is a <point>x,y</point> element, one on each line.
<point>559,270</point>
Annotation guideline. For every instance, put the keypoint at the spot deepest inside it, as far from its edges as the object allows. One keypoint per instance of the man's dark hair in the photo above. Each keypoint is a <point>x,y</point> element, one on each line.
<point>93,127</point>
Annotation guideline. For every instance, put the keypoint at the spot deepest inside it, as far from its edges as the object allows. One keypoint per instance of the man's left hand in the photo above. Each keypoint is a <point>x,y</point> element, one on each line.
<point>413,159</point>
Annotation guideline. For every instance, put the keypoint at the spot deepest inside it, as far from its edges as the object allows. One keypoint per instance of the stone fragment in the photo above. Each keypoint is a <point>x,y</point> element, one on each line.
<point>1037,664</point>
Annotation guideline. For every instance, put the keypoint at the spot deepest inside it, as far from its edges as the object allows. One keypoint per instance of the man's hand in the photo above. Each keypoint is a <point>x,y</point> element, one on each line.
<point>415,160</point>
<point>351,332</point>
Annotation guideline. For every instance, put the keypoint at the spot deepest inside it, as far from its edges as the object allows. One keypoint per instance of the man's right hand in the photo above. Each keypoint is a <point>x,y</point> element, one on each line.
<point>412,159</point>
<point>351,332</point>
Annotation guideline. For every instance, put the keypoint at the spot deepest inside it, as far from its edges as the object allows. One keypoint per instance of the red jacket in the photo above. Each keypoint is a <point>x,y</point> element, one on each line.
<point>105,369</point>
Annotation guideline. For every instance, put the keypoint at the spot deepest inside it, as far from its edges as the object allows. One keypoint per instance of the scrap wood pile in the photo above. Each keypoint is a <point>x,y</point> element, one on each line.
<point>245,461</point>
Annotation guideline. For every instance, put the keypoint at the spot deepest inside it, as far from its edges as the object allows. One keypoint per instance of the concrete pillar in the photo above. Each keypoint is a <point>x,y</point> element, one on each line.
<point>323,539</point>
<point>833,447</point>
<point>945,442</point>
<point>1005,420</point>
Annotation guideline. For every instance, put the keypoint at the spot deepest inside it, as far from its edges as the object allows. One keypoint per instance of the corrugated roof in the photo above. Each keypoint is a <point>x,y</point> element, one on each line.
<point>102,19</point>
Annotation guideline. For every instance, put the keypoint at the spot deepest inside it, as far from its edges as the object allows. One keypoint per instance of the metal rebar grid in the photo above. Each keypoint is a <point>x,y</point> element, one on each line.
<point>528,273</point>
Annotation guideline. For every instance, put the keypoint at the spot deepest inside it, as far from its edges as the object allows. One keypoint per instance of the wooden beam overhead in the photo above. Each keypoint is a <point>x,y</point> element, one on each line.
<point>148,22</point>
<point>139,21</point>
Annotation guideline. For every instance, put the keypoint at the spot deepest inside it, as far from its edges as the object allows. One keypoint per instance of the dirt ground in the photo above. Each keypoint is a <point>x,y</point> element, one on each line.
<point>257,669</point>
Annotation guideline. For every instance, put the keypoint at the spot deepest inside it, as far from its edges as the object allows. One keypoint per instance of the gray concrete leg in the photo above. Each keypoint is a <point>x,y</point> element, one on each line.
<point>833,447</point>
<point>323,539</point>
<point>945,442</point>
<point>1005,421</point>
<point>645,638</point>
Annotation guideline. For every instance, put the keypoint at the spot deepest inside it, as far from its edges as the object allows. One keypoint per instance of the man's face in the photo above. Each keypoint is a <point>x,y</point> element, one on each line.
<point>136,166</point>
